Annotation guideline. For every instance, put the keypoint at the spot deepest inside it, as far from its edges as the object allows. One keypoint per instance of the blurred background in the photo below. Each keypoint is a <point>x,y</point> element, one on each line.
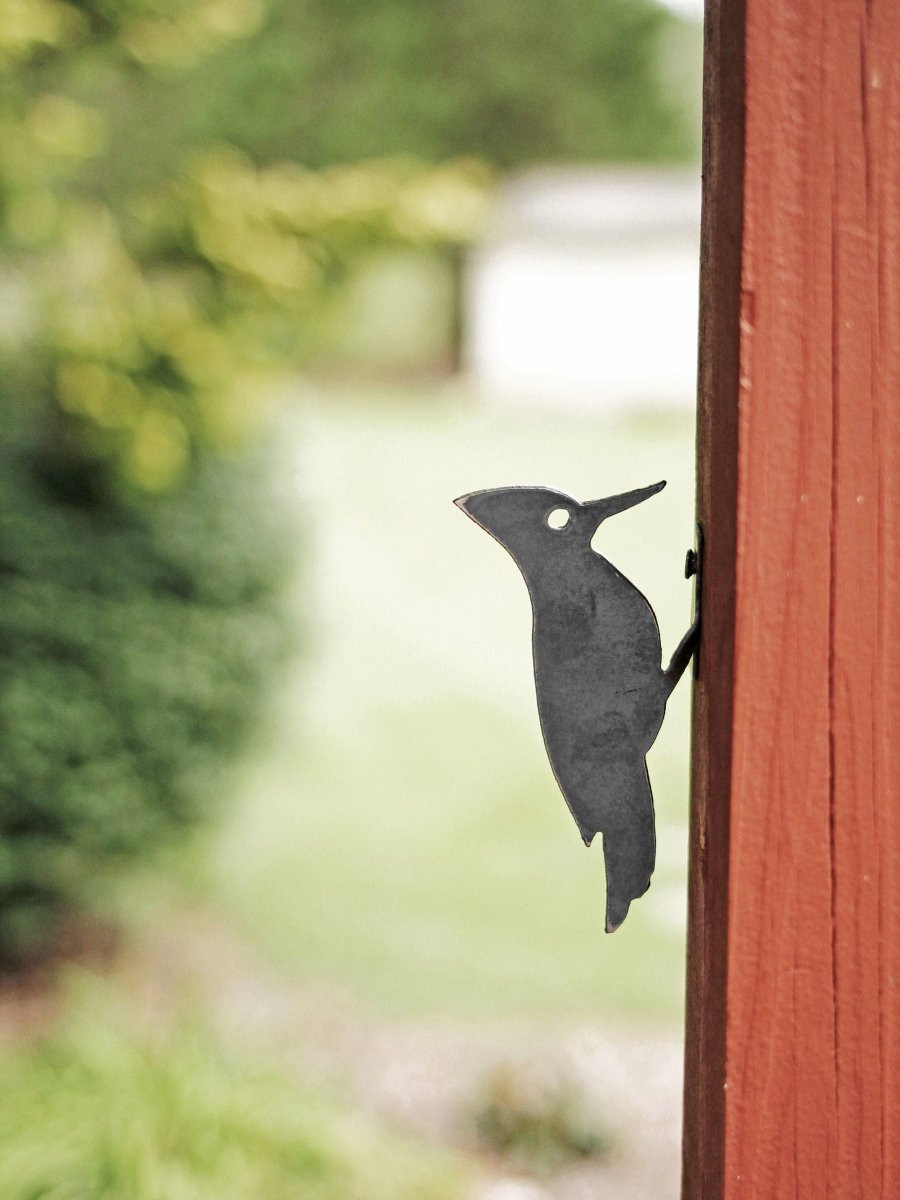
<point>290,906</point>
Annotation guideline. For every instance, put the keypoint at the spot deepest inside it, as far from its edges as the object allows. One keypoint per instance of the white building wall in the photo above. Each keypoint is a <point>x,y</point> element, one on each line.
<point>587,291</point>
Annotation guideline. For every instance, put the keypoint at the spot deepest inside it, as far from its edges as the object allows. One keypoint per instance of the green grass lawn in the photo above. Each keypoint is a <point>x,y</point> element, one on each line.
<point>399,831</point>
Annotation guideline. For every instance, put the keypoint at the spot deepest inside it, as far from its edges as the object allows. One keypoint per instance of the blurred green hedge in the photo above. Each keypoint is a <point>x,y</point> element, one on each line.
<point>138,642</point>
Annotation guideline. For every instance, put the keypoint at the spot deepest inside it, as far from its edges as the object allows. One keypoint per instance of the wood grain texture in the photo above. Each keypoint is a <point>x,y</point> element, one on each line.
<point>798,1094</point>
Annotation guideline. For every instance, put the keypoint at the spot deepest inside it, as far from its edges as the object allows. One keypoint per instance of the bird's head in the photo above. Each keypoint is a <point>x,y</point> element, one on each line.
<point>536,523</point>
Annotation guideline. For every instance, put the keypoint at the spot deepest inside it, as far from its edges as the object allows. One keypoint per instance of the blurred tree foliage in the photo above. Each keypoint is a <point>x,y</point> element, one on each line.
<point>509,81</point>
<point>144,548</point>
<point>154,319</point>
<point>162,331</point>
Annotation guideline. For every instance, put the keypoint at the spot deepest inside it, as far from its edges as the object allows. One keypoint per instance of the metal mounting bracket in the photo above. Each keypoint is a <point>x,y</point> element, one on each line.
<point>693,567</point>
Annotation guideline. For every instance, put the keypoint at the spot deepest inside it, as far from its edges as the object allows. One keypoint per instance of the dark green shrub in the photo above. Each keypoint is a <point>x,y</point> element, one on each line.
<point>137,644</point>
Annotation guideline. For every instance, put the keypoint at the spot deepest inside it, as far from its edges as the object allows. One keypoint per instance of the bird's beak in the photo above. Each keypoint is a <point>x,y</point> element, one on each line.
<point>599,510</point>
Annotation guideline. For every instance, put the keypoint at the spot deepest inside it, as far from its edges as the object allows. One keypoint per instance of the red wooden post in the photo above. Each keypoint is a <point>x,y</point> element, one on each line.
<point>793,1045</point>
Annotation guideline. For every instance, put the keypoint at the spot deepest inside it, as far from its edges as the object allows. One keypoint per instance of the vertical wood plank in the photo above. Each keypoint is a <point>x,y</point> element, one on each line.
<point>793,1059</point>
<point>717,444</point>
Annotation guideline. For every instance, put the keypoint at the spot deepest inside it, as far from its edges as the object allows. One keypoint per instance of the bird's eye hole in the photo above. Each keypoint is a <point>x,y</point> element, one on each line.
<point>558,518</point>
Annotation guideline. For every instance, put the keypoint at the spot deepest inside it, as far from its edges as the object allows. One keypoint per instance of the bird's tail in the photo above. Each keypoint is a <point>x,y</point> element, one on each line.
<point>629,848</point>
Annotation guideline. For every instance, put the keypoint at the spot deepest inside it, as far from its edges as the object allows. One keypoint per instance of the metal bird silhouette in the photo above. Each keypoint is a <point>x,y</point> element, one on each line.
<point>601,688</point>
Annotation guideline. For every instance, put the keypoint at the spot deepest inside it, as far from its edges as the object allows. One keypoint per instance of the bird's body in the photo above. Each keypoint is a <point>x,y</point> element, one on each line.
<point>601,698</point>
<point>601,689</point>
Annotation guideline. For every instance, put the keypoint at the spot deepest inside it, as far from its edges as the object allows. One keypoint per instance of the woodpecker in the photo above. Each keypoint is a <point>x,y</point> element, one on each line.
<point>601,688</point>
